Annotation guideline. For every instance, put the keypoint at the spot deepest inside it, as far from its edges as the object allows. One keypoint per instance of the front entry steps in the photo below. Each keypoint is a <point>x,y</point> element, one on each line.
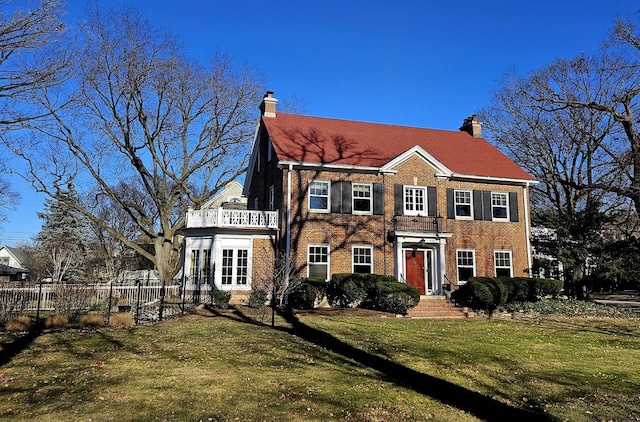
<point>437,307</point>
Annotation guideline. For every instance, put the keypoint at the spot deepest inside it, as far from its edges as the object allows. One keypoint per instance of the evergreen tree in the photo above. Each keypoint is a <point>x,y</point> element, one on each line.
<point>61,241</point>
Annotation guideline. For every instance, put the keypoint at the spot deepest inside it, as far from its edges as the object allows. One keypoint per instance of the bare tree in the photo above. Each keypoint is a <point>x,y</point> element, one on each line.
<point>33,54</point>
<point>141,112</point>
<point>607,84</point>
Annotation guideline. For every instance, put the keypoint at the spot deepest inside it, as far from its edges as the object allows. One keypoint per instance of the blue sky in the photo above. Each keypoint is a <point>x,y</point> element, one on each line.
<point>408,62</point>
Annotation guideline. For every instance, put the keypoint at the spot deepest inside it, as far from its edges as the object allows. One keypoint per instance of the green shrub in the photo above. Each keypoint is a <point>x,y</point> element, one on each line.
<point>490,293</point>
<point>541,287</point>
<point>347,290</point>
<point>220,299</point>
<point>394,297</point>
<point>308,293</point>
<point>258,298</point>
<point>518,289</point>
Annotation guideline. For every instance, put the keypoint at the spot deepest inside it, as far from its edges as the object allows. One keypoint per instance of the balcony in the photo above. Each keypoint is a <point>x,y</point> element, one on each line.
<point>417,224</point>
<point>240,219</point>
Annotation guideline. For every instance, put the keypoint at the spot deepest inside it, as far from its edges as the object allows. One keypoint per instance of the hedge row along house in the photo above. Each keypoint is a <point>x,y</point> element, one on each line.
<point>430,207</point>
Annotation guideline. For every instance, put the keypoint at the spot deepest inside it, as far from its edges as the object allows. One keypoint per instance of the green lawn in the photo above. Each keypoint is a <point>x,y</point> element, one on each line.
<point>219,368</point>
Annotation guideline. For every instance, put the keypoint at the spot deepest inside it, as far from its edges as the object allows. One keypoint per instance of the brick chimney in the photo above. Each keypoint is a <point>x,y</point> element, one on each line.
<point>473,126</point>
<point>268,105</point>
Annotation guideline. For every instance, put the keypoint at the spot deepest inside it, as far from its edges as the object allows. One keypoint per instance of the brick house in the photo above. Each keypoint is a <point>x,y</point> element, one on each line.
<point>430,207</point>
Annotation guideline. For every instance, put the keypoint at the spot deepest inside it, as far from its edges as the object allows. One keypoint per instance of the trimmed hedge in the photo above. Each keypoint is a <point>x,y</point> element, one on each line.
<point>488,293</point>
<point>308,293</point>
<point>371,291</point>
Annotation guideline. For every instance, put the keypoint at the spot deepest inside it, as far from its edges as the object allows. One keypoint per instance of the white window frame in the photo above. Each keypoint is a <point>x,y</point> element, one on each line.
<point>354,256</point>
<point>206,260</point>
<point>235,275</point>
<point>472,266</point>
<point>328,258</point>
<point>194,272</point>
<point>469,204</point>
<point>494,206</point>
<point>411,207</point>
<point>363,198</point>
<point>272,198</point>
<point>328,196</point>
<point>500,260</point>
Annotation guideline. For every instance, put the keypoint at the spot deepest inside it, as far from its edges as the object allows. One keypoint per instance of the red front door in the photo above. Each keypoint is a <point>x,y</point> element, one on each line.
<point>414,264</point>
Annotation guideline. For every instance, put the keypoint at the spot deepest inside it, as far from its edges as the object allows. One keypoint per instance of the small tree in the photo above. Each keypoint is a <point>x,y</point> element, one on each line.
<point>60,242</point>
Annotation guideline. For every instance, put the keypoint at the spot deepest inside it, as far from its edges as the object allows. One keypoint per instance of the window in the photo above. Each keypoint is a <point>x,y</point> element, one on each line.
<point>318,195</point>
<point>361,198</point>
<point>242,267</point>
<point>272,198</point>
<point>4,260</point>
<point>466,264</point>
<point>503,264</point>
<point>362,259</point>
<point>206,266</point>
<point>318,261</point>
<point>195,266</point>
<point>414,200</point>
<point>235,267</point>
<point>463,204</point>
<point>227,266</point>
<point>499,206</point>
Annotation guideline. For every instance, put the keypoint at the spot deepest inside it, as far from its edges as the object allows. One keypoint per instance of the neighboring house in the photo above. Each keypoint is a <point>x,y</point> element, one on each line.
<point>426,206</point>
<point>229,197</point>
<point>12,264</point>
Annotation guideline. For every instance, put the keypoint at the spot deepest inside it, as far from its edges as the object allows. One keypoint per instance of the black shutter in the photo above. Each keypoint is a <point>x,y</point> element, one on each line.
<point>398,199</point>
<point>451,206</point>
<point>477,205</point>
<point>488,212</point>
<point>346,197</point>
<point>378,199</point>
<point>432,201</point>
<point>513,207</point>
<point>336,197</point>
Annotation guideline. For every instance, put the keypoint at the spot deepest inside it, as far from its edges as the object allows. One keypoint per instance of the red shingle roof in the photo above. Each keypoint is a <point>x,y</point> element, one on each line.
<point>342,142</point>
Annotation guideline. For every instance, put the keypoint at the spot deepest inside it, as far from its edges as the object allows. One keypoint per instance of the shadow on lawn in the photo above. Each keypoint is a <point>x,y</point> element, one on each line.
<point>20,343</point>
<point>481,406</point>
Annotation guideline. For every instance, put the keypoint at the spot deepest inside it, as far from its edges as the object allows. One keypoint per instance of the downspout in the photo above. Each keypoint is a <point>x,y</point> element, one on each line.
<point>384,224</point>
<point>525,190</point>
<point>288,229</point>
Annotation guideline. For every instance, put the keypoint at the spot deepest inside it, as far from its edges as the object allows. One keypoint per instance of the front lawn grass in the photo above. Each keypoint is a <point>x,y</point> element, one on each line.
<point>221,368</point>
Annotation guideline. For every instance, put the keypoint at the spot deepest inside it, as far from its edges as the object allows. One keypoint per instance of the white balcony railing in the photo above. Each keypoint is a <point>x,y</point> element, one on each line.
<point>219,217</point>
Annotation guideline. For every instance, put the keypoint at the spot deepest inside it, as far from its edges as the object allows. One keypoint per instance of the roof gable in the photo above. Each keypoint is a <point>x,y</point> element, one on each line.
<point>317,140</point>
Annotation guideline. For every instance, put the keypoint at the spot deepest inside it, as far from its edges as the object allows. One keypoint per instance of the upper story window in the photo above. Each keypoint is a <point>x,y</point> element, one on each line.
<point>362,259</point>
<point>463,204</point>
<point>500,206</point>
<point>362,198</point>
<point>319,195</point>
<point>414,200</point>
<point>503,264</point>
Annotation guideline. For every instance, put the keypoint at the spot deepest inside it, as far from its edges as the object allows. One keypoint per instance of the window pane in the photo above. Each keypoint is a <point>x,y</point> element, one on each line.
<point>499,205</point>
<point>242,266</point>
<point>463,203</point>
<point>318,195</point>
<point>318,271</point>
<point>362,261</point>
<point>227,266</point>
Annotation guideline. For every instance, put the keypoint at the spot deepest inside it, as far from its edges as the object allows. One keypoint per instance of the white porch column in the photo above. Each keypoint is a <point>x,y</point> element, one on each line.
<point>441,264</point>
